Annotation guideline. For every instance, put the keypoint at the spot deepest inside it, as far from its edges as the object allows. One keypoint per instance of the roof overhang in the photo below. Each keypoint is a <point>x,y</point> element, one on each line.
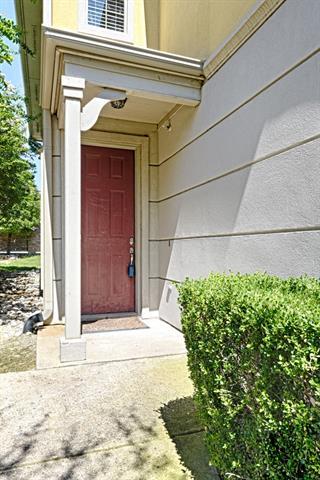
<point>139,72</point>
<point>29,17</point>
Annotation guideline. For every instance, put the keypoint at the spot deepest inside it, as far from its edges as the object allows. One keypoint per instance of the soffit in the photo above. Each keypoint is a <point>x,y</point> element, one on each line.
<point>139,110</point>
<point>136,109</point>
<point>29,17</point>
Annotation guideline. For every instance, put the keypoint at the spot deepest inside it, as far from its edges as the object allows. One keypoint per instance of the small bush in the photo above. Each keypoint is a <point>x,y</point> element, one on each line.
<point>253,346</point>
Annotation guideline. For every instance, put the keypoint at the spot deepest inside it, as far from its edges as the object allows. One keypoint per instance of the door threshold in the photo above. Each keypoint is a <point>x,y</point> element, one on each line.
<point>97,316</point>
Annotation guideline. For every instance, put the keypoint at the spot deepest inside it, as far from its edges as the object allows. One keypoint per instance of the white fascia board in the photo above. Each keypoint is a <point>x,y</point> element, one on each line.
<point>122,51</point>
<point>138,86</point>
<point>23,56</point>
<point>27,18</point>
<point>129,57</point>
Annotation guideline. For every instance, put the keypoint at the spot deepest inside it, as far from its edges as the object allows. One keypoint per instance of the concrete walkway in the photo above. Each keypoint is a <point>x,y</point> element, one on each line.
<point>158,339</point>
<point>120,420</point>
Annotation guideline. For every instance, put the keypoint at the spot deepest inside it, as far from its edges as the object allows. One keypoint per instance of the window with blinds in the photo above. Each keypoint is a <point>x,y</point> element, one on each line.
<point>108,14</point>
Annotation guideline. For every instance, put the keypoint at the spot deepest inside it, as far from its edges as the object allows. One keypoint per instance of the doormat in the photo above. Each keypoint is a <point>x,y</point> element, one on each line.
<point>112,324</point>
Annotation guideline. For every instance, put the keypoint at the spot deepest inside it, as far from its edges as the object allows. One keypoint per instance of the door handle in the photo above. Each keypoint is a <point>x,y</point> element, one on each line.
<point>131,266</point>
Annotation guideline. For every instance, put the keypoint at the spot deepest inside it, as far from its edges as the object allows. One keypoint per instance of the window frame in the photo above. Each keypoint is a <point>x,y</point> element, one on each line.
<point>126,36</point>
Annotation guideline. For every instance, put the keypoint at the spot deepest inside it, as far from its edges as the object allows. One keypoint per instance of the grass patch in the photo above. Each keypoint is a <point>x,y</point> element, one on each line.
<point>18,354</point>
<point>24,263</point>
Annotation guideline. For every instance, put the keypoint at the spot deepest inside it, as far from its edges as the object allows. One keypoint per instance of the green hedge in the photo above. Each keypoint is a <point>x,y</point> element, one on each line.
<point>253,346</point>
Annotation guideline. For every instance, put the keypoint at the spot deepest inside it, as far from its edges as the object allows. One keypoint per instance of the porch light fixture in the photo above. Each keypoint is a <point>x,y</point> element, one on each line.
<point>119,103</point>
<point>167,125</point>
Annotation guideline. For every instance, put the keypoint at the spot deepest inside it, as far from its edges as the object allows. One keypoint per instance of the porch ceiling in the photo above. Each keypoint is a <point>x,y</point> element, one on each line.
<point>154,82</point>
<point>139,110</point>
<point>136,109</point>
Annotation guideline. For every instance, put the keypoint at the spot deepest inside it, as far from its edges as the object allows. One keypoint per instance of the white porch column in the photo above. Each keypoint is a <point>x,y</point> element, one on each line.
<point>72,346</point>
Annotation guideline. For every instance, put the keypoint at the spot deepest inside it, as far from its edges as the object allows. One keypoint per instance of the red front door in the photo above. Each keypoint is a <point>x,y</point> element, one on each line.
<point>107,225</point>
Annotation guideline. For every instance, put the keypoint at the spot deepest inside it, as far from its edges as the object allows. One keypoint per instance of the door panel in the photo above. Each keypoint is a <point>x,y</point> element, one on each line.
<point>107,216</point>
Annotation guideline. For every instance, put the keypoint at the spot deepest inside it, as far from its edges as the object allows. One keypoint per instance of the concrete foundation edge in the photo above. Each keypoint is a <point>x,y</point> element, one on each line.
<point>72,350</point>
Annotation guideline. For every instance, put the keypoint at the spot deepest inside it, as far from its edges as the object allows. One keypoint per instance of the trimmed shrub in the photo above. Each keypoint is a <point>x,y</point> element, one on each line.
<point>253,346</point>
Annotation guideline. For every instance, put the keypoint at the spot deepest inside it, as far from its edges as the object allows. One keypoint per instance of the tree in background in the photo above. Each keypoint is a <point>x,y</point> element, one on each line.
<point>19,198</point>
<point>10,31</point>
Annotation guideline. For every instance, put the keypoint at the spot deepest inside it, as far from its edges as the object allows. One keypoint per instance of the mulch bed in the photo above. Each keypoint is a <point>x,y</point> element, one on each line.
<point>111,324</point>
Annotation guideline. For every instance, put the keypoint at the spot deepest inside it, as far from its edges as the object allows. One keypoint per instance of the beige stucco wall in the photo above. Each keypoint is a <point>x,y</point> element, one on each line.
<point>194,28</point>
<point>239,175</point>
<point>66,15</point>
<point>187,27</point>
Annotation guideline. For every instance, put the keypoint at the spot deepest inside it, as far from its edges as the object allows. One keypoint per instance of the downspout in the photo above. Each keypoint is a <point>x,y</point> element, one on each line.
<point>44,317</point>
<point>46,200</point>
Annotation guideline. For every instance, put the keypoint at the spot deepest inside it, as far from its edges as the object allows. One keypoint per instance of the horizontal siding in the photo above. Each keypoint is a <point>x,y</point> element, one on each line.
<point>239,175</point>
<point>286,114</point>
<point>284,254</point>
<point>169,309</point>
<point>154,290</point>
<point>288,37</point>
<point>153,259</point>
<point>279,193</point>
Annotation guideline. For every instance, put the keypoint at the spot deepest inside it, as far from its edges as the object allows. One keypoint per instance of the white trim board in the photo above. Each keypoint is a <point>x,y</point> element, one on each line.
<point>140,146</point>
<point>84,27</point>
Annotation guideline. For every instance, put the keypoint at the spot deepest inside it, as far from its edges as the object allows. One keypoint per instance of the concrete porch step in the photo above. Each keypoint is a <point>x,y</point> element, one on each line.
<point>159,339</point>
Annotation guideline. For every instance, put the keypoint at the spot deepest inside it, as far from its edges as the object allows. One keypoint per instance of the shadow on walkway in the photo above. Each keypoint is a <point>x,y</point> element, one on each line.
<point>183,426</point>
<point>14,463</point>
<point>139,452</point>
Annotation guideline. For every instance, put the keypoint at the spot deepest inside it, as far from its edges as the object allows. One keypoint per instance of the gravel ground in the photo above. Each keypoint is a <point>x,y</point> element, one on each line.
<point>19,297</point>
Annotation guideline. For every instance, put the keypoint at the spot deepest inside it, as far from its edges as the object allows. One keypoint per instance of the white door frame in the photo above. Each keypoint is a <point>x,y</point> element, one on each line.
<point>140,146</point>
